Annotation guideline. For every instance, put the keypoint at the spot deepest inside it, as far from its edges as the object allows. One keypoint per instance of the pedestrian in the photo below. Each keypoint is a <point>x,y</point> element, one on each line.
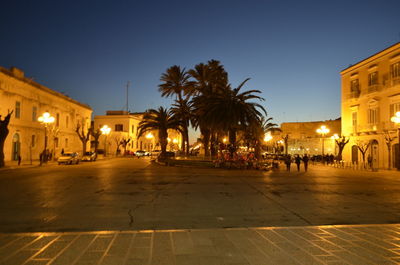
<point>305,161</point>
<point>297,160</point>
<point>19,160</point>
<point>62,151</point>
<point>288,161</point>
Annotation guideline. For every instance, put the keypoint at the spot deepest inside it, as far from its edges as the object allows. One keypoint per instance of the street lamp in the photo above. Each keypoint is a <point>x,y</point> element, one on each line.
<point>323,131</point>
<point>396,120</point>
<point>45,119</point>
<point>105,130</point>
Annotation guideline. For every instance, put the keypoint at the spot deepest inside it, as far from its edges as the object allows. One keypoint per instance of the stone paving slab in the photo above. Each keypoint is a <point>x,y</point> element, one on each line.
<point>347,244</point>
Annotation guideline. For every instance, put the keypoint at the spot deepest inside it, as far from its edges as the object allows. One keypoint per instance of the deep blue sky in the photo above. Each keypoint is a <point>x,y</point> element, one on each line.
<point>293,51</point>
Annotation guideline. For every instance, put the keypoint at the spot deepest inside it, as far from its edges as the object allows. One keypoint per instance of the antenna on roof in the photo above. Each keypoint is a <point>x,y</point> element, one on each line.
<point>127,102</point>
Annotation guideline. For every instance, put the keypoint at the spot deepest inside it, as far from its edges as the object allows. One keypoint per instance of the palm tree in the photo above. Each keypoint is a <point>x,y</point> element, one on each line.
<point>210,78</point>
<point>175,82</point>
<point>230,110</point>
<point>182,111</point>
<point>160,120</point>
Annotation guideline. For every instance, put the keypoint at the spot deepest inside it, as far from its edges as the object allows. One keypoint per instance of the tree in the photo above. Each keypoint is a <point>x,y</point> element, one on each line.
<point>3,135</point>
<point>96,135</point>
<point>363,147</point>
<point>160,120</point>
<point>231,110</point>
<point>286,143</point>
<point>124,142</point>
<point>388,140</point>
<point>118,141</point>
<point>341,143</point>
<point>83,136</point>
<point>182,111</point>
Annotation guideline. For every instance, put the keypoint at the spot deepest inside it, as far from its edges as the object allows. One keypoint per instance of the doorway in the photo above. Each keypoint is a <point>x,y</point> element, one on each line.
<point>354,154</point>
<point>16,147</point>
<point>375,154</point>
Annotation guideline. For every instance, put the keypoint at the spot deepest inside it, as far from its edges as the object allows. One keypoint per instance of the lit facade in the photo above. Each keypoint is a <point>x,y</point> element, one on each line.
<point>29,100</point>
<point>370,97</point>
<point>124,125</point>
<point>304,139</point>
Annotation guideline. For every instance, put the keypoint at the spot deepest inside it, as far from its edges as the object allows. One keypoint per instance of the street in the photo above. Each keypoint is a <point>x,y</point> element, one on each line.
<point>134,194</point>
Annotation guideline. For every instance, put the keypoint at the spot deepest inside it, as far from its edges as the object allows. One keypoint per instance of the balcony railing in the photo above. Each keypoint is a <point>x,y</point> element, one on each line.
<point>354,94</point>
<point>374,88</point>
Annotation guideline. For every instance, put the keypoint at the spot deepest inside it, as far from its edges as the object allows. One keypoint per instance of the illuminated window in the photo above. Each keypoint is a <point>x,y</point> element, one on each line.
<point>393,108</point>
<point>119,127</point>
<point>17,109</point>
<point>34,113</point>
<point>373,79</point>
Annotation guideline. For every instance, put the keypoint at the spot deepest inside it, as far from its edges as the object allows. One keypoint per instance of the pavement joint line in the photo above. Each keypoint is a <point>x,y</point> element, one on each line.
<point>107,232</point>
<point>41,250</point>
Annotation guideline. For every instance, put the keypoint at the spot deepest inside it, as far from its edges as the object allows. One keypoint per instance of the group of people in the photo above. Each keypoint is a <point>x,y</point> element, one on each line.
<point>297,160</point>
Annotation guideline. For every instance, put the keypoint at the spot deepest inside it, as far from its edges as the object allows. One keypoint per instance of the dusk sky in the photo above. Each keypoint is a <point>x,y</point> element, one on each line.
<point>293,51</point>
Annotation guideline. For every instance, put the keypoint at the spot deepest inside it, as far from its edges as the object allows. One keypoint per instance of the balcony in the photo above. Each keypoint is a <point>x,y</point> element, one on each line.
<point>354,94</point>
<point>374,88</point>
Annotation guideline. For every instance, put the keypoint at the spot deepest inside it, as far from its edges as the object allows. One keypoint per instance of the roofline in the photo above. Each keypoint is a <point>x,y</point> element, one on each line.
<point>353,65</point>
<point>43,88</point>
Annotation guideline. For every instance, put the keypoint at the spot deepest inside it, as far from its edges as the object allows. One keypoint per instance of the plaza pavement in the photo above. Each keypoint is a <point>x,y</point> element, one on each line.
<point>324,195</point>
<point>352,244</point>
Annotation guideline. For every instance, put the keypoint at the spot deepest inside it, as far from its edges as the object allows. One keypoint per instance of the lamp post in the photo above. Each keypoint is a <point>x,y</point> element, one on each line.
<point>105,130</point>
<point>396,120</point>
<point>45,119</point>
<point>323,131</point>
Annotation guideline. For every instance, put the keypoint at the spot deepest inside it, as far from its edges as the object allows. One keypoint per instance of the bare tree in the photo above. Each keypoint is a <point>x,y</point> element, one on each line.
<point>83,136</point>
<point>341,142</point>
<point>96,135</point>
<point>286,143</point>
<point>3,135</point>
<point>363,147</point>
<point>388,140</point>
<point>124,143</point>
<point>118,142</point>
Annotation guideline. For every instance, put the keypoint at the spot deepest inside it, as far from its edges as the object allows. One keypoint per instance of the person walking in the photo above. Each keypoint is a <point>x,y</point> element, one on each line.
<point>297,160</point>
<point>305,161</point>
<point>288,161</point>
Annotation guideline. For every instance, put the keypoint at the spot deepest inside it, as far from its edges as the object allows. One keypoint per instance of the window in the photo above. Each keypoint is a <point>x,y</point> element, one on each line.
<point>354,121</point>
<point>133,128</point>
<point>56,142</point>
<point>354,85</point>
<point>372,116</point>
<point>373,79</point>
<point>66,121</point>
<point>119,127</point>
<point>393,108</point>
<point>34,113</point>
<point>395,70</point>
<point>66,142</point>
<point>58,119</point>
<point>33,141</point>
<point>17,109</point>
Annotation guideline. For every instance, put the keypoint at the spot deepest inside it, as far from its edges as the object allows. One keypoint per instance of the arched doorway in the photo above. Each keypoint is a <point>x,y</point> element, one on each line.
<point>375,154</point>
<point>395,156</point>
<point>354,154</point>
<point>16,147</point>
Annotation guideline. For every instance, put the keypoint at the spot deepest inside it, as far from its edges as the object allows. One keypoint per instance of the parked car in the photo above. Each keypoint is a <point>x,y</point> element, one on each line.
<point>140,153</point>
<point>89,156</point>
<point>155,152</point>
<point>68,158</point>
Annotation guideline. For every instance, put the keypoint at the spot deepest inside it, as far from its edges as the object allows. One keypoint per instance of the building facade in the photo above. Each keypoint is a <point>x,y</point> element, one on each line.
<point>370,97</point>
<point>304,139</point>
<point>124,126</point>
<point>29,100</point>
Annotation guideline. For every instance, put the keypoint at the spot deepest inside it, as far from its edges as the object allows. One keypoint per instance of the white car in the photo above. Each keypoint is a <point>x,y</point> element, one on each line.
<point>68,158</point>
